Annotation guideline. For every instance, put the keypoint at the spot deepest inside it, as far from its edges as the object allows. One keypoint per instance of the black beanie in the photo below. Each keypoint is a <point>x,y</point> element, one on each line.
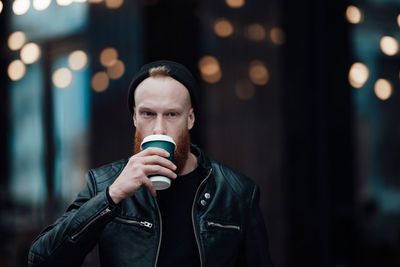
<point>176,71</point>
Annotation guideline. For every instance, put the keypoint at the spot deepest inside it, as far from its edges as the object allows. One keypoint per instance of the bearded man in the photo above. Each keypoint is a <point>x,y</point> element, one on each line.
<point>209,216</point>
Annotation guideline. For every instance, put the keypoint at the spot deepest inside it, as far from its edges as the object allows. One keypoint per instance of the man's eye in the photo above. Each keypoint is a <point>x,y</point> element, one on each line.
<point>147,114</point>
<point>172,114</point>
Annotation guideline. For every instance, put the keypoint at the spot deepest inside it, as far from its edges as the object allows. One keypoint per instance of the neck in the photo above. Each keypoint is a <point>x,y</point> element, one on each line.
<point>190,164</point>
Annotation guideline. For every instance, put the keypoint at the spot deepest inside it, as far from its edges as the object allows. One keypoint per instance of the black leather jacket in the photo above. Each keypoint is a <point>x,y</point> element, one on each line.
<point>227,222</point>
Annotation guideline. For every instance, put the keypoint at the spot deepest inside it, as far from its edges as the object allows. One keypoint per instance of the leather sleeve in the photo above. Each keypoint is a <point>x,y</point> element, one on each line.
<point>73,235</point>
<point>255,251</point>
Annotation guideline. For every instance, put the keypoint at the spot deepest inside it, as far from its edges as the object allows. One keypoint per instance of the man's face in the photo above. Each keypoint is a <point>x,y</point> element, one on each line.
<point>162,106</point>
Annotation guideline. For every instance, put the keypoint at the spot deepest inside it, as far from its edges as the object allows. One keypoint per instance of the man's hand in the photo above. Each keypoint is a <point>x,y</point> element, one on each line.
<point>136,173</point>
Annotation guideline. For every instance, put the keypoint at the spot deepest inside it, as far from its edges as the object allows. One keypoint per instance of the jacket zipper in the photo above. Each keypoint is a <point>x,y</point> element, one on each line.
<point>101,214</point>
<point>139,223</point>
<point>159,240</point>
<point>226,226</point>
<point>194,227</point>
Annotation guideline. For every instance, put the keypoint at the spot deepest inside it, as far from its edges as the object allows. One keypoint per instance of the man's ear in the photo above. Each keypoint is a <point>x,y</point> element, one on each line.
<point>191,119</point>
<point>134,116</point>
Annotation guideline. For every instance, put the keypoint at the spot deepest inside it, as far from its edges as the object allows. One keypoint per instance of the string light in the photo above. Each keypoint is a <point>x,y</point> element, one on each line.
<point>108,57</point>
<point>277,35</point>
<point>62,78</point>
<point>77,60</point>
<point>16,40</point>
<point>358,75</point>
<point>235,3</point>
<point>41,4</point>
<point>383,89</point>
<point>113,4</point>
<point>354,15</point>
<point>116,70</point>
<point>256,32</point>
<point>258,73</point>
<point>223,27</point>
<point>30,53</point>
<point>210,69</point>
<point>244,90</point>
<point>20,7</point>
<point>16,70</point>
<point>389,45</point>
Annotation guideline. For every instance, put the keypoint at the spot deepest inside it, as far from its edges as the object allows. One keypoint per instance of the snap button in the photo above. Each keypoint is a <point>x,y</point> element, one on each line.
<point>203,202</point>
<point>207,195</point>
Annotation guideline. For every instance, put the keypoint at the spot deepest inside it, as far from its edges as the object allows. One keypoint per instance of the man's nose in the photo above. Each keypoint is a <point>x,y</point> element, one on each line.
<point>159,127</point>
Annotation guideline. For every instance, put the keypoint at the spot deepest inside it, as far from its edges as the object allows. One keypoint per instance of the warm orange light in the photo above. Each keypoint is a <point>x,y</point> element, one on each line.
<point>244,90</point>
<point>278,36</point>
<point>256,32</point>
<point>398,20</point>
<point>1,7</point>
<point>100,82</point>
<point>62,77</point>
<point>258,73</point>
<point>383,89</point>
<point>389,45</point>
<point>354,15</point>
<point>16,40</point>
<point>223,27</point>
<point>16,70</point>
<point>209,69</point>
<point>108,57</point>
<point>117,70</point>
<point>235,3</point>
<point>112,4</point>
<point>30,53</point>
<point>358,74</point>
<point>95,1</point>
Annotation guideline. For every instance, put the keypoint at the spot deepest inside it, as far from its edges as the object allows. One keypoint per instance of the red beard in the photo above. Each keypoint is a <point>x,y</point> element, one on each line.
<point>181,152</point>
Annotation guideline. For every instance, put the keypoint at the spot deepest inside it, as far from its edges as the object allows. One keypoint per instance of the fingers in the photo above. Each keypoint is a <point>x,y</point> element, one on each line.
<point>150,186</point>
<point>154,151</point>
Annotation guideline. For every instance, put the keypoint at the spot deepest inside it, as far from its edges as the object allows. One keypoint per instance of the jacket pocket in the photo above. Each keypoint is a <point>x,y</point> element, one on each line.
<point>140,223</point>
<point>227,226</point>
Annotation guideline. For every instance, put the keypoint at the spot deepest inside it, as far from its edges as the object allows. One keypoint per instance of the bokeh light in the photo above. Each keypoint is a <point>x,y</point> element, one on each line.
<point>108,57</point>
<point>258,73</point>
<point>41,4</point>
<point>77,60</point>
<point>1,7</point>
<point>277,35</point>
<point>256,32</point>
<point>223,27</point>
<point>20,7</point>
<point>383,89</point>
<point>116,71</point>
<point>64,2</point>
<point>16,70</point>
<point>30,53</point>
<point>100,81</point>
<point>95,1</point>
<point>244,90</point>
<point>398,20</point>
<point>112,4</point>
<point>354,15</point>
<point>235,3</point>
<point>62,77</point>
<point>358,75</point>
<point>16,40</point>
<point>389,45</point>
<point>209,69</point>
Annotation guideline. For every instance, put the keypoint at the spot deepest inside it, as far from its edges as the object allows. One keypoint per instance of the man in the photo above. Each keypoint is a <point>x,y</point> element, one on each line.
<point>208,217</point>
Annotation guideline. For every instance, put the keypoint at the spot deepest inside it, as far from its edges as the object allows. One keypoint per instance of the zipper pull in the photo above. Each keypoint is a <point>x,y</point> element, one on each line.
<point>146,224</point>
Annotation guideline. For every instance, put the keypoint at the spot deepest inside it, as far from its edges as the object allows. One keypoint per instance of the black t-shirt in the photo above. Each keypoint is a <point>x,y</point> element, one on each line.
<point>178,243</point>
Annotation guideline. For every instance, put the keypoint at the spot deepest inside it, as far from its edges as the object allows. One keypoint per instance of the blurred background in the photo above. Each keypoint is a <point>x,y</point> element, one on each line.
<point>302,96</point>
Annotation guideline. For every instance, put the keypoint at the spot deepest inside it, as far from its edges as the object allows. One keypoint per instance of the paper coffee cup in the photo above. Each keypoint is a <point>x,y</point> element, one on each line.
<point>165,142</point>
